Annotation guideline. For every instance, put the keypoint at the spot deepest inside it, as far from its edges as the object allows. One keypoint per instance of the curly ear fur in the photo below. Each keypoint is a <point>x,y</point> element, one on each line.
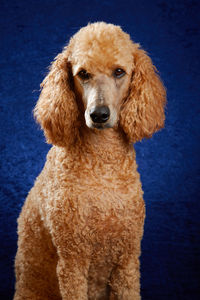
<point>143,111</point>
<point>56,109</point>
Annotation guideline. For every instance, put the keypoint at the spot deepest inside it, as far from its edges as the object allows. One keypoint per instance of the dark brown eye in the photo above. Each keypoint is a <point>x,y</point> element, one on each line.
<point>84,75</point>
<point>119,73</point>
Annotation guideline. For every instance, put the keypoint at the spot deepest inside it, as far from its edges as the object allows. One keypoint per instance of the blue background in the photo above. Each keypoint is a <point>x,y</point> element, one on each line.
<point>32,33</point>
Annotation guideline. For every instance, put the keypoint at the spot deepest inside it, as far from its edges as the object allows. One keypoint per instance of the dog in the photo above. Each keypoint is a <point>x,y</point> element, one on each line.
<point>81,226</point>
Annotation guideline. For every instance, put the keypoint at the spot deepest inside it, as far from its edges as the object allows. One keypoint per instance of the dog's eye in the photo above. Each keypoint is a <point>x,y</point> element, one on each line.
<point>119,73</point>
<point>84,75</point>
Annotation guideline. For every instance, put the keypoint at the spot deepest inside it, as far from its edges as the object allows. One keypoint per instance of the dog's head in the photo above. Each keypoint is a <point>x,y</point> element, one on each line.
<point>107,78</point>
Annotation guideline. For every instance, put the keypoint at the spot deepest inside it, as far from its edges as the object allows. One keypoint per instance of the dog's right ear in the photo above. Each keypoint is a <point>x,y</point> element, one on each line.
<point>56,110</point>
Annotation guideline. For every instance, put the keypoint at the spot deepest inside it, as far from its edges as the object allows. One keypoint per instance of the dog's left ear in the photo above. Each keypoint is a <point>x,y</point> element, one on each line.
<point>143,111</point>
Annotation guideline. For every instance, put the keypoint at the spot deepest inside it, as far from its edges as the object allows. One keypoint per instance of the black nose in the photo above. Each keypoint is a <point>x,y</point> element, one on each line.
<point>99,114</point>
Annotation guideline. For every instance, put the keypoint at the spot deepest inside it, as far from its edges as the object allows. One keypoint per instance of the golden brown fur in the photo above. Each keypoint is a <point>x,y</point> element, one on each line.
<point>82,223</point>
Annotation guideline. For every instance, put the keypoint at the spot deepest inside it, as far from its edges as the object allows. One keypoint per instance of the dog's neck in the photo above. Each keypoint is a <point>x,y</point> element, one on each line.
<point>107,144</point>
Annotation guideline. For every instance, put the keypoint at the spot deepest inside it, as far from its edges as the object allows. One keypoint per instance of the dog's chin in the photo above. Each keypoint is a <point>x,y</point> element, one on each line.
<point>99,126</point>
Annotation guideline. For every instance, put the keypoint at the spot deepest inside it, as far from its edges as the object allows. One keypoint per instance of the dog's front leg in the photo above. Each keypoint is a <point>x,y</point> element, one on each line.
<point>125,281</point>
<point>72,278</point>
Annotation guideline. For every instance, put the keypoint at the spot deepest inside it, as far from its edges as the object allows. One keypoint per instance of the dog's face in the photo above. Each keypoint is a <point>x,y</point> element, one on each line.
<point>102,93</point>
<point>102,68</point>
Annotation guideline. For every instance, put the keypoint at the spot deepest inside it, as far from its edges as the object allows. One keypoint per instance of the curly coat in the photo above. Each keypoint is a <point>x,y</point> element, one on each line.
<point>81,226</point>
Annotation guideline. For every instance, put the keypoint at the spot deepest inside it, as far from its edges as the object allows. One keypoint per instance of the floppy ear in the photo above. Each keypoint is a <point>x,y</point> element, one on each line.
<point>143,111</point>
<point>56,109</point>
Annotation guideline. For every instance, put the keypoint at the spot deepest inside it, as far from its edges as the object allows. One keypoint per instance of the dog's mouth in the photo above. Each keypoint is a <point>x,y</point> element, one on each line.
<point>98,126</point>
<point>101,126</point>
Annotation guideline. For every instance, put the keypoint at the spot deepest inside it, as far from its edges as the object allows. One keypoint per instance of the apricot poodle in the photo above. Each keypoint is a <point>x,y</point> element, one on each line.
<point>81,226</point>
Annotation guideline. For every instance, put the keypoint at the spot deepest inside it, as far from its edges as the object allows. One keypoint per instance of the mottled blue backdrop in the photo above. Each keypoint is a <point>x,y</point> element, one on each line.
<point>32,32</point>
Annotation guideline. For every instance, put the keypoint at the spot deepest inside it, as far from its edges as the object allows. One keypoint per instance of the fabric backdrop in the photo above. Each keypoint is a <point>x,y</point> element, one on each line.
<point>32,32</point>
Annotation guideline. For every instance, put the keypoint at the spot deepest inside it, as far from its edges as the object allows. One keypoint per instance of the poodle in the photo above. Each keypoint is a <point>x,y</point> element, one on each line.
<point>81,226</point>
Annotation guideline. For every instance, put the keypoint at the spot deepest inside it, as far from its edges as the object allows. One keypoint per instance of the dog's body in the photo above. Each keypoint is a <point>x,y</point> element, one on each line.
<point>81,226</point>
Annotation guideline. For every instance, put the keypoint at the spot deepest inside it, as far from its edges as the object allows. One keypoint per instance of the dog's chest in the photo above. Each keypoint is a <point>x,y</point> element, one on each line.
<point>104,211</point>
<point>98,206</point>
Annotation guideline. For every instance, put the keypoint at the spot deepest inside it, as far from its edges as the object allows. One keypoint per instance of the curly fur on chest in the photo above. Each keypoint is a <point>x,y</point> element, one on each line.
<point>97,204</point>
